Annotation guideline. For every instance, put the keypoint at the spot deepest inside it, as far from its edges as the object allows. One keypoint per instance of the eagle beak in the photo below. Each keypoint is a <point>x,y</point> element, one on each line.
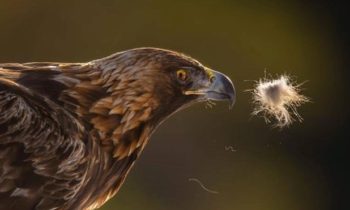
<point>221,89</point>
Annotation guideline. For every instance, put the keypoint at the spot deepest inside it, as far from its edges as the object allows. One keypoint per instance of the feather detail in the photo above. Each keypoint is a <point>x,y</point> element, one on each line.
<point>117,110</point>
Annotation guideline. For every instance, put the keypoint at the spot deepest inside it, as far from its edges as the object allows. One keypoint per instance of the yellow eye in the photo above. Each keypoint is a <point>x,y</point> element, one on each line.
<point>182,74</point>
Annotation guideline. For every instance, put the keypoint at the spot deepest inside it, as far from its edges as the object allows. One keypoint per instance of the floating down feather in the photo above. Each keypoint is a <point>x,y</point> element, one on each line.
<point>277,100</point>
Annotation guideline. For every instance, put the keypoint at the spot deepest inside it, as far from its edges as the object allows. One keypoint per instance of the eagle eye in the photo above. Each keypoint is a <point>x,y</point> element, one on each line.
<point>182,75</point>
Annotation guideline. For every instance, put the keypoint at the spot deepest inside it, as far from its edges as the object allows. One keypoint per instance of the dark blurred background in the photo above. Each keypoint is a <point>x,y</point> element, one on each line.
<point>303,167</point>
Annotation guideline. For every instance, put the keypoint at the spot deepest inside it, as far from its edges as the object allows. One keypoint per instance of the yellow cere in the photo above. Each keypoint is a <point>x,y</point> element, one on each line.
<point>209,72</point>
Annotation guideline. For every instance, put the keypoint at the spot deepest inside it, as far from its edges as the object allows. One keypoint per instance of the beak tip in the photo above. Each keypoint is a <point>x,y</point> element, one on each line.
<point>232,101</point>
<point>231,92</point>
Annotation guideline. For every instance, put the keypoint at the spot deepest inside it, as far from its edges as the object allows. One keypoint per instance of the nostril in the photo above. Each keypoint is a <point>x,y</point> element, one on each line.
<point>212,79</point>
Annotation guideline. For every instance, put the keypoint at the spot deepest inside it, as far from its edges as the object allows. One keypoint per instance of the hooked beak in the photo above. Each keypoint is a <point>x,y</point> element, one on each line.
<point>220,89</point>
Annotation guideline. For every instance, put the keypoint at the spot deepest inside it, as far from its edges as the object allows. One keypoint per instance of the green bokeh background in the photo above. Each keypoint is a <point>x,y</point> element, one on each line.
<point>299,168</point>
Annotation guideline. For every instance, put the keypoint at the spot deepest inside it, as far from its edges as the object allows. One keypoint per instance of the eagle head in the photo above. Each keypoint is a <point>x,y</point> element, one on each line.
<point>172,80</point>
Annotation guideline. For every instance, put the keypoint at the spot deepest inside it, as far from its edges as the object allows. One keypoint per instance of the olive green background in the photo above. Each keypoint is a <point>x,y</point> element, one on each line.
<point>298,168</point>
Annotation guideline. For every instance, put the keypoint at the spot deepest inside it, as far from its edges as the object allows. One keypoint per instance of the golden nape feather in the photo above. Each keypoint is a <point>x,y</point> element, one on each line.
<point>70,132</point>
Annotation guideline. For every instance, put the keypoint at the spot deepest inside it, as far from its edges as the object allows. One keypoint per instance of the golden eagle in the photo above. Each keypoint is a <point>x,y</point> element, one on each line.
<point>70,132</point>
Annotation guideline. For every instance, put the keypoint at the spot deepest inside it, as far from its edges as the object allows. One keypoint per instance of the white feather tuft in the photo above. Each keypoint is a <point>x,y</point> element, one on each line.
<point>277,100</point>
